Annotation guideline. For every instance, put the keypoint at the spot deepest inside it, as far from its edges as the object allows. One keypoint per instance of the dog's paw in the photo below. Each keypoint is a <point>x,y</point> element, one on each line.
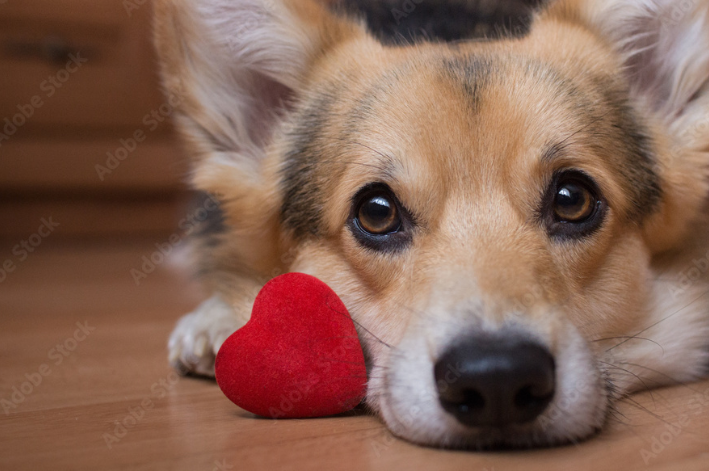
<point>198,336</point>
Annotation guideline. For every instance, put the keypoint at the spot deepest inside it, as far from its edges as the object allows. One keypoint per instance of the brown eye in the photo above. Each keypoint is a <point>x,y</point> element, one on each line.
<point>573,202</point>
<point>378,220</point>
<point>573,206</point>
<point>378,215</point>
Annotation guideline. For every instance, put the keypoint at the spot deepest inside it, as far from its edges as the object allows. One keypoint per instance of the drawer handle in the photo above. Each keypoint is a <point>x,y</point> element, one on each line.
<point>53,49</point>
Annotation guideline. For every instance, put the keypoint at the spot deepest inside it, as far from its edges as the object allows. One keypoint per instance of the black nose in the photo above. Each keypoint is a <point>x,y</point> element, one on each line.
<point>494,382</point>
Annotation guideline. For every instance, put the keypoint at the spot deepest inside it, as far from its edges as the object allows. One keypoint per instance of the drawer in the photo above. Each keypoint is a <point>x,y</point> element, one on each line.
<point>61,166</point>
<point>75,63</point>
<point>119,217</point>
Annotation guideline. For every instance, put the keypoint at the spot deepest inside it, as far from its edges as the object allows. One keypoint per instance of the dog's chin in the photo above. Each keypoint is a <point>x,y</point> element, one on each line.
<point>442,432</point>
<point>405,396</point>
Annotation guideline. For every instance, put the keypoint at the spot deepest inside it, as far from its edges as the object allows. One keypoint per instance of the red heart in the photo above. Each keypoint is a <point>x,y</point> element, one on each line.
<point>299,355</point>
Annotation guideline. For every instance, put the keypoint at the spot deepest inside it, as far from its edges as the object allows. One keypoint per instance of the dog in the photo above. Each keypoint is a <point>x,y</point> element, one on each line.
<point>517,223</point>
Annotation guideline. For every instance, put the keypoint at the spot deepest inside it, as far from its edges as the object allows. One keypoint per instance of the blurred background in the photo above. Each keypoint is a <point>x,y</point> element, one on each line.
<point>77,82</point>
<point>85,133</point>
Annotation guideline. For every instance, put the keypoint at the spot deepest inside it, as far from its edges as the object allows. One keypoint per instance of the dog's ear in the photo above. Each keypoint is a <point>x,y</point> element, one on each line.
<point>664,47</point>
<point>232,67</point>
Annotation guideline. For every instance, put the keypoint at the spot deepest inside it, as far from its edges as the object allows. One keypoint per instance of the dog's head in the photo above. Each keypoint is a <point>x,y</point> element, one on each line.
<point>493,213</point>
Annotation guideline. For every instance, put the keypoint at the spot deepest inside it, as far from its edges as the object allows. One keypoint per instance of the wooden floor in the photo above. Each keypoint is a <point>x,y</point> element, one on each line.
<point>75,315</point>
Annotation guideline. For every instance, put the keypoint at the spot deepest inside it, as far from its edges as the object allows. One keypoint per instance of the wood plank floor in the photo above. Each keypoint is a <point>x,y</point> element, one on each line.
<point>73,321</point>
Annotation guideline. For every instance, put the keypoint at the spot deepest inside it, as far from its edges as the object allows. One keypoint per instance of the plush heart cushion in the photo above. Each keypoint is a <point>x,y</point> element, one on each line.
<point>299,355</point>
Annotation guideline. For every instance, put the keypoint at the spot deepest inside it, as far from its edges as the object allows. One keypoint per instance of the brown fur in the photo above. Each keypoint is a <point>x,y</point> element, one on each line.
<point>468,137</point>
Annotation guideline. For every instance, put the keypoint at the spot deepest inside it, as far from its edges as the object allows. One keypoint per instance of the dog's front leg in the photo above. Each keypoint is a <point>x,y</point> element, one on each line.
<point>198,336</point>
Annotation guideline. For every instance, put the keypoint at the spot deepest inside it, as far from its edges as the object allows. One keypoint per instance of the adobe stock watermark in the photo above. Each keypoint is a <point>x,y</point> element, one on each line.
<point>187,226</point>
<point>151,122</point>
<point>387,440</point>
<point>410,417</point>
<point>132,5</point>
<point>565,405</point>
<point>251,21</point>
<point>302,389</point>
<point>691,134</point>
<point>222,465</point>
<point>679,12</point>
<point>697,405</point>
<point>34,379</point>
<point>49,87</point>
<point>688,277</point>
<point>23,249</point>
<point>406,8</point>
<point>136,414</point>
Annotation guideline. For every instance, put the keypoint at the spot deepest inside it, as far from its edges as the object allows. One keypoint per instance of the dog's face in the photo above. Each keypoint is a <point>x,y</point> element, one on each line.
<point>490,212</point>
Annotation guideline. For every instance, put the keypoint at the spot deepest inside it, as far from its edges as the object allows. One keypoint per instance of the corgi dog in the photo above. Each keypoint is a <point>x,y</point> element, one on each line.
<point>517,224</point>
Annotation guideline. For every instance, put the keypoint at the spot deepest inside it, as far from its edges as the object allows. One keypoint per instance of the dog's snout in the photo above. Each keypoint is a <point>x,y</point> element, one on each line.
<point>494,382</point>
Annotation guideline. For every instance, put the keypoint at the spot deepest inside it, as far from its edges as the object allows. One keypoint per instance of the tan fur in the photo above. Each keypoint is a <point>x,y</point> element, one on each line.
<point>473,179</point>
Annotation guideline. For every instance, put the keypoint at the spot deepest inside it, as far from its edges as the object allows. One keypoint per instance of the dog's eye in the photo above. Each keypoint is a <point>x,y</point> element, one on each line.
<point>574,206</point>
<point>573,203</point>
<point>378,221</point>
<point>377,215</point>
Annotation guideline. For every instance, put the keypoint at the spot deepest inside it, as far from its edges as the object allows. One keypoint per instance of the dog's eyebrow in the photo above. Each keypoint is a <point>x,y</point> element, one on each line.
<point>385,171</point>
<point>553,152</point>
<point>387,164</point>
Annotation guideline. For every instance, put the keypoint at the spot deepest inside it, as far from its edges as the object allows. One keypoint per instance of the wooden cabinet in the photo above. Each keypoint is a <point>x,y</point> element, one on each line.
<point>78,81</point>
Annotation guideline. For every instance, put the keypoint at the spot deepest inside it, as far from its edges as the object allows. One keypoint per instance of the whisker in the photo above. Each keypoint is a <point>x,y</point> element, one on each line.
<point>616,411</point>
<point>634,375</point>
<point>361,327</point>
<point>639,406</point>
<point>675,381</point>
<point>660,321</point>
<point>628,337</point>
<point>373,336</point>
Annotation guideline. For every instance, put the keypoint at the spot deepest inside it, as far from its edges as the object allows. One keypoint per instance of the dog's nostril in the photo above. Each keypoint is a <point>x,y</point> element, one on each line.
<point>495,382</point>
<point>529,396</point>
<point>474,400</point>
<point>470,401</point>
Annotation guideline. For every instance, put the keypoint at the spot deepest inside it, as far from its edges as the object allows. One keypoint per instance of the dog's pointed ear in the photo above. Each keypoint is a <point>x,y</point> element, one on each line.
<point>664,49</point>
<point>232,67</point>
<point>664,45</point>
